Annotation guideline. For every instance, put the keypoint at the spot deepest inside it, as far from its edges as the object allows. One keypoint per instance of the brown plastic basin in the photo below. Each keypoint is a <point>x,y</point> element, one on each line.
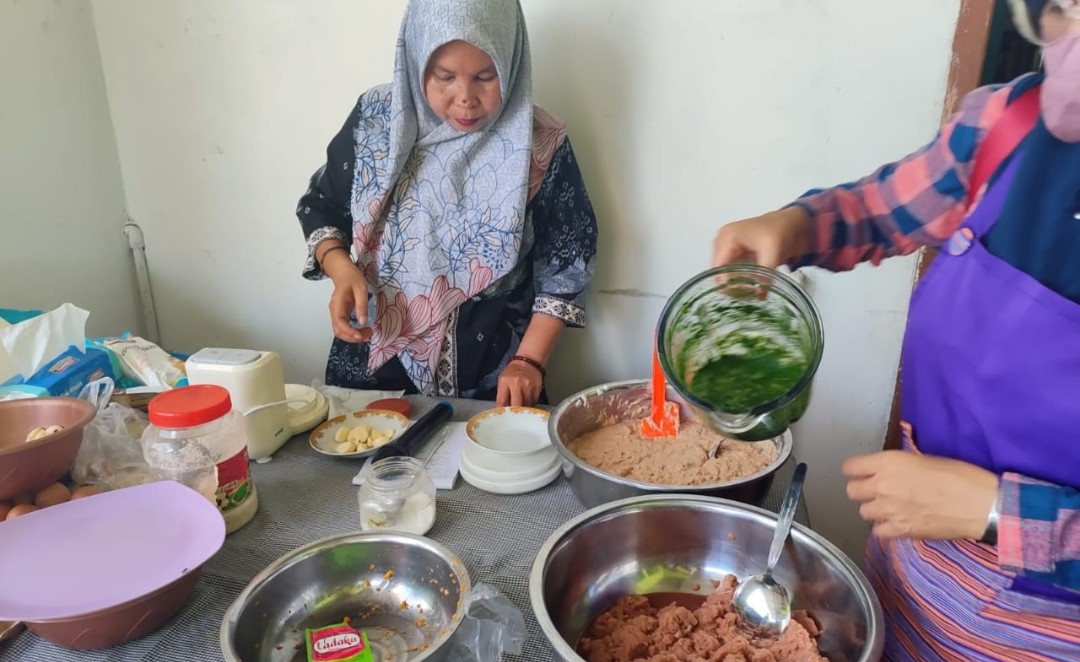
<point>122,623</point>
<point>25,467</point>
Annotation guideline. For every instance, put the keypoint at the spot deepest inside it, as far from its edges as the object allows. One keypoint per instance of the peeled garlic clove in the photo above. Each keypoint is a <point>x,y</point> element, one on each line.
<point>359,434</point>
<point>345,447</point>
<point>342,434</point>
<point>36,433</point>
<point>53,429</point>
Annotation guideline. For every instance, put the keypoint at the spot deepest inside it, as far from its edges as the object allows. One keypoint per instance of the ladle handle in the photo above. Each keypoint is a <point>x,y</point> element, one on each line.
<point>786,516</point>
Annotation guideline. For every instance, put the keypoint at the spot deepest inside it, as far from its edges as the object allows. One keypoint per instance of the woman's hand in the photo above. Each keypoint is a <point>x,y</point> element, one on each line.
<point>918,496</point>
<point>350,296</point>
<point>519,385</point>
<point>769,240</point>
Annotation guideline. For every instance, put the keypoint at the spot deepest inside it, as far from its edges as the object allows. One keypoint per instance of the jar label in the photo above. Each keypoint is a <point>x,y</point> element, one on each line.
<point>234,481</point>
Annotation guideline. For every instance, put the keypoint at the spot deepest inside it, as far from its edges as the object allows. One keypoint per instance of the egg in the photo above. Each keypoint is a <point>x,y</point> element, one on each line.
<point>85,491</point>
<point>52,495</point>
<point>4,508</point>
<point>20,510</point>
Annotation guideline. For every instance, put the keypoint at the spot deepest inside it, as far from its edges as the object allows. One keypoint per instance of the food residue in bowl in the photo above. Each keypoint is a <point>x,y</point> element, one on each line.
<point>690,628</point>
<point>686,459</point>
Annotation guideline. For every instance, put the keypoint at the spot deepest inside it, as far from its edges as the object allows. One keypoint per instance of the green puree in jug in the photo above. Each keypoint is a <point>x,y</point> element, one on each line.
<point>737,383</point>
<point>752,355</point>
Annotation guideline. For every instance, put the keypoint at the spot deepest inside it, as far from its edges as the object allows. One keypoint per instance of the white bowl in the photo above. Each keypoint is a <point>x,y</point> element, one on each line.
<point>485,470</point>
<point>322,437</point>
<point>502,486</point>
<point>510,439</point>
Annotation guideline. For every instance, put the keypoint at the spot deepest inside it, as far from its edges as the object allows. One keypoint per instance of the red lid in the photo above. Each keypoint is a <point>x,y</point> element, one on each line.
<point>188,406</point>
<point>399,405</point>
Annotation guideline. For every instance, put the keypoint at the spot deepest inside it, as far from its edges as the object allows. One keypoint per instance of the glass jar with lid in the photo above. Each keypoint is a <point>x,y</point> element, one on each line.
<point>197,439</point>
<point>397,495</point>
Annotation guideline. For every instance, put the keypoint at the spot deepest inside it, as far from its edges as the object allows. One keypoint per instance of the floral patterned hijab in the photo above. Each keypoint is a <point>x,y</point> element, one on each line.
<point>439,214</point>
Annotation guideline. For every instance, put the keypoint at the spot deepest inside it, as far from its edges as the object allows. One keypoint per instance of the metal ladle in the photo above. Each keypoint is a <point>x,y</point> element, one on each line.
<point>760,601</point>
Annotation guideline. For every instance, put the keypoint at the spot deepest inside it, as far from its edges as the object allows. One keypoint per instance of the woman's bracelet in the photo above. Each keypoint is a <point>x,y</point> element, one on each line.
<point>328,251</point>
<point>531,361</point>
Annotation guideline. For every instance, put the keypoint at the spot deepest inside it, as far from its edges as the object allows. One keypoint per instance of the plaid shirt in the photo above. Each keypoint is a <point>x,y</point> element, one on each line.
<point>921,201</point>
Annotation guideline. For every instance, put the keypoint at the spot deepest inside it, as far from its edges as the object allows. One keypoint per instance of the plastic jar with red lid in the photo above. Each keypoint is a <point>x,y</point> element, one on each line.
<point>196,438</point>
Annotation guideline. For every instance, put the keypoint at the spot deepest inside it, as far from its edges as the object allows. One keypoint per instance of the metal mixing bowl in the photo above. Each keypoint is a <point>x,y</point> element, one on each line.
<point>630,400</point>
<point>679,544</point>
<point>409,614</point>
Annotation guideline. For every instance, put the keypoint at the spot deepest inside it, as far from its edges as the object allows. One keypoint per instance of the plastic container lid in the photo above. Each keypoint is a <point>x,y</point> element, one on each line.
<point>91,554</point>
<point>400,405</point>
<point>188,406</point>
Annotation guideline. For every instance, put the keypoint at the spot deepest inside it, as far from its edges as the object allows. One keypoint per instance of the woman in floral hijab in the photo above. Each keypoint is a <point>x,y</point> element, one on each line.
<point>451,216</point>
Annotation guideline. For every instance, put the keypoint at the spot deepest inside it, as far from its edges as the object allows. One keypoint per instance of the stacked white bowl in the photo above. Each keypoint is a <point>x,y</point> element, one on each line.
<point>509,451</point>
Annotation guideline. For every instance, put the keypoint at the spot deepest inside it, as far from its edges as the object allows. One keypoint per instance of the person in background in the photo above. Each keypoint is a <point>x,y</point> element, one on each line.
<point>451,216</point>
<point>975,549</point>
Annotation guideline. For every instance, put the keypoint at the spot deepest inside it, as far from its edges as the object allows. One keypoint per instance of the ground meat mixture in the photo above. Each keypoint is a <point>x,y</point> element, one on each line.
<point>634,630</point>
<point>620,449</point>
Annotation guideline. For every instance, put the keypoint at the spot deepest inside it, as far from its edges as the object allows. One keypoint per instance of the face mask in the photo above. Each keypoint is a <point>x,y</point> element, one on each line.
<point>1061,89</point>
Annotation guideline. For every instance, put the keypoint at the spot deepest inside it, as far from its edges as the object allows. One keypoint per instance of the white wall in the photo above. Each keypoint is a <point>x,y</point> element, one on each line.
<point>685,114</point>
<point>61,237</point>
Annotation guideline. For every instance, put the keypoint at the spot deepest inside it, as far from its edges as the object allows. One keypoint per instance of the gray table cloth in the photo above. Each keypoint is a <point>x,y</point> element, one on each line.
<point>305,496</point>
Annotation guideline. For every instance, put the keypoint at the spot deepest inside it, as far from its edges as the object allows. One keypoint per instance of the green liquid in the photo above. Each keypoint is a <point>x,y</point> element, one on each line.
<point>737,383</point>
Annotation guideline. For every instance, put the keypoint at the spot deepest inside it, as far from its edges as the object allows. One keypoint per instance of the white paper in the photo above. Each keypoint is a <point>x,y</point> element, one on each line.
<point>33,343</point>
<point>443,468</point>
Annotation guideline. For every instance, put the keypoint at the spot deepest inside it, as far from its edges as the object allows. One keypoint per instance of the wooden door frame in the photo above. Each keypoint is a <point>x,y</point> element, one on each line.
<point>965,74</point>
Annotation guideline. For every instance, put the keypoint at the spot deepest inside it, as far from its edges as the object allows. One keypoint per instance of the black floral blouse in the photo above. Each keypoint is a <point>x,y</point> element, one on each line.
<point>556,263</point>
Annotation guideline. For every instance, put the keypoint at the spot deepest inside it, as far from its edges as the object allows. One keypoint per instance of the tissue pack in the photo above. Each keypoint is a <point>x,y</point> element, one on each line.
<point>69,372</point>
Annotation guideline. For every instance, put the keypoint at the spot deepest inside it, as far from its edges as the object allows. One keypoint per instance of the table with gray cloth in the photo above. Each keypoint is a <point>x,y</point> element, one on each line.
<point>305,496</point>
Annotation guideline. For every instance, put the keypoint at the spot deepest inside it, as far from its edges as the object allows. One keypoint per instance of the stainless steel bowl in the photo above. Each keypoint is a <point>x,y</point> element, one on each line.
<point>679,544</point>
<point>409,614</point>
<point>619,401</point>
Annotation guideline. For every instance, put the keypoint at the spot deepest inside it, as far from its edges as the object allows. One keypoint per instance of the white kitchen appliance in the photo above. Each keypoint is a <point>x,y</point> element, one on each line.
<point>253,379</point>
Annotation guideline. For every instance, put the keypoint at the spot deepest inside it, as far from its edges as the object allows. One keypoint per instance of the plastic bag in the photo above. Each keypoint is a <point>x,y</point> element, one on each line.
<point>347,400</point>
<point>111,453</point>
<point>145,362</point>
<point>492,626</point>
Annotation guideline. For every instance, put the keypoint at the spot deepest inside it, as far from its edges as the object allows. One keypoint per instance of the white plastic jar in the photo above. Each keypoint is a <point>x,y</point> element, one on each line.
<point>196,438</point>
<point>397,495</point>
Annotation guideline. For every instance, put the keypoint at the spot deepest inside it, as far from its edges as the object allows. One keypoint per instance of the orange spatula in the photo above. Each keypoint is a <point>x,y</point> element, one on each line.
<point>664,419</point>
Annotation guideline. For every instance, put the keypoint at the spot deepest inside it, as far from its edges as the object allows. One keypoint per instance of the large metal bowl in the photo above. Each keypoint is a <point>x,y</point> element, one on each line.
<point>619,401</point>
<point>410,614</point>
<point>679,544</point>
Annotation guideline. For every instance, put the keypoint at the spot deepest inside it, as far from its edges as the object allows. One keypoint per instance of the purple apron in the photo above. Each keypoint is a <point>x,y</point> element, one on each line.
<point>991,368</point>
<point>991,376</point>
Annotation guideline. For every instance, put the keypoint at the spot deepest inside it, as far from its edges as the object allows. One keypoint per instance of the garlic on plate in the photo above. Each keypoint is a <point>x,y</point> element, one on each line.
<point>360,438</point>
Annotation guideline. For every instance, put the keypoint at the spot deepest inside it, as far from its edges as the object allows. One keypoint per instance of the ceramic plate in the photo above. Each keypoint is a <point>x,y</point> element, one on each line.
<point>322,437</point>
<point>102,551</point>
<point>508,487</point>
